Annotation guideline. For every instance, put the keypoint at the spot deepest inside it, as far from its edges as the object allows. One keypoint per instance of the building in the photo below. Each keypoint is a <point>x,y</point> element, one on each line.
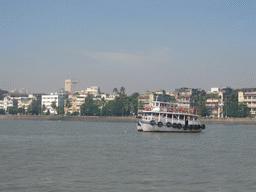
<point>8,102</point>
<point>215,90</point>
<point>75,103</point>
<point>214,106</point>
<point>248,96</point>
<point>108,97</point>
<point>93,90</point>
<point>184,96</point>
<point>71,85</point>
<point>48,99</point>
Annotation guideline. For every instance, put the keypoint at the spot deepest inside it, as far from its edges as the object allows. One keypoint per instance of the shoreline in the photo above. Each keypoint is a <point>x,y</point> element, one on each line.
<point>231,121</point>
<point>69,118</point>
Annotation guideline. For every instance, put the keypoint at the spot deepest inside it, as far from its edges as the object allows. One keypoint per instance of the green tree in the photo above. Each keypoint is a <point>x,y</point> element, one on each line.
<point>48,112</point>
<point>115,90</point>
<point>172,99</point>
<point>122,105</point>
<point>199,103</point>
<point>53,105</point>
<point>68,103</point>
<point>2,112</point>
<point>75,114</point>
<point>43,108</point>
<point>233,108</point>
<point>12,110</point>
<point>60,110</point>
<point>89,108</point>
<point>236,109</point>
<point>140,105</point>
<point>33,108</point>
<point>122,90</point>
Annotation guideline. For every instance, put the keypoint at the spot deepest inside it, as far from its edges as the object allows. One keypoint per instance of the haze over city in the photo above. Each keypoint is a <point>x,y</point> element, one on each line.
<point>140,45</point>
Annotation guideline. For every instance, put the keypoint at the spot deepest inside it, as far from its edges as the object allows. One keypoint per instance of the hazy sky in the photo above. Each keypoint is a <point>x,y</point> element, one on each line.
<point>141,45</point>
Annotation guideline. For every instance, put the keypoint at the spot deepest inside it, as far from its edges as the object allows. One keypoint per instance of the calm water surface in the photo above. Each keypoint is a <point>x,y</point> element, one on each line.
<point>101,156</point>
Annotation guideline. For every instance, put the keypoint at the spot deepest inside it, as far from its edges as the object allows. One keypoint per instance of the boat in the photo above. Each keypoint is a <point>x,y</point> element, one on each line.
<point>170,117</point>
<point>139,128</point>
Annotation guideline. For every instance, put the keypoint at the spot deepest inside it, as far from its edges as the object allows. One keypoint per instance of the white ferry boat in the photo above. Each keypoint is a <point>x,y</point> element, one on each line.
<point>168,117</point>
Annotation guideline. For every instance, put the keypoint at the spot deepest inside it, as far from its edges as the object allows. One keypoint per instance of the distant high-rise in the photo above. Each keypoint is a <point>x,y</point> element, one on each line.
<point>71,85</point>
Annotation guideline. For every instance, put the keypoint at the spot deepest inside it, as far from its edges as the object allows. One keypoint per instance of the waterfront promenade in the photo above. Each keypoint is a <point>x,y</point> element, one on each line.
<point>235,121</point>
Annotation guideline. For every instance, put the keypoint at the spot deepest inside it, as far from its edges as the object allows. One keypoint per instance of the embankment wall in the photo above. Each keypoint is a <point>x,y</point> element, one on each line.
<point>234,121</point>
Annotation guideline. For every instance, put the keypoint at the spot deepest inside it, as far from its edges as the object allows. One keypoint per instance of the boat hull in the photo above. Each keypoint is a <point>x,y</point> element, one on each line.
<point>147,127</point>
<point>139,128</point>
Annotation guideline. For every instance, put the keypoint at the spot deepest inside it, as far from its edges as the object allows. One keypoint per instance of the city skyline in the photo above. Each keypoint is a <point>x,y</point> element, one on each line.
<point>140,45</point>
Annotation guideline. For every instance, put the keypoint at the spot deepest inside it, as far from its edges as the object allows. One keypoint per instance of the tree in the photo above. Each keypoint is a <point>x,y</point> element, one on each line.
<point>140,105</point>
<point>33,108</point>
<point>12,110</point>
<point>60,110</point>
<point>115,90</point>
<point>122,105</point>
<point>122,90</point>
<point>89,108</point>
<point>68,103</point>
<point>236,109</point>
<point>43,108</point>
<point>199,103</point>
<point>2,112</point>
<point>233,108</point>
<point>172,99</point>
<point>53,105</point>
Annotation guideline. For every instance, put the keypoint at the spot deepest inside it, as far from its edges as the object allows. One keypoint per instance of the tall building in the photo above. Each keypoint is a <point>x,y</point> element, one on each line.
<point>71,85</point>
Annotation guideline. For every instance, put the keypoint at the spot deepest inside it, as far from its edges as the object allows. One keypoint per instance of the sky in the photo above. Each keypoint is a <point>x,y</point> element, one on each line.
<point>142,45</point>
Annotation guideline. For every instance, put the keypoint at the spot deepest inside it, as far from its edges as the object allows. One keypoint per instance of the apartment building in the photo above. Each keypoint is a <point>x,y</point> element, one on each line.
<point>48,99</point>
<point>184,96</point>
<point>8,102</point>
<point>93,90</point>
<point>75,101</point>
<point>248,96</point>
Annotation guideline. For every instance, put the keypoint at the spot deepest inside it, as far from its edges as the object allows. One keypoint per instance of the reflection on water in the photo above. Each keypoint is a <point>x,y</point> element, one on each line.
<point>100,156</point>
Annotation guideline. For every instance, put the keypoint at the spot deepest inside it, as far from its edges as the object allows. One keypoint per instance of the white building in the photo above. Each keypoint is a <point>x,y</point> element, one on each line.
<point>215,90</point>
<point>109,97</point>
<point>47,101</point>
<point>8,102</point>
<point>93,90</point>
<point>71,85</point>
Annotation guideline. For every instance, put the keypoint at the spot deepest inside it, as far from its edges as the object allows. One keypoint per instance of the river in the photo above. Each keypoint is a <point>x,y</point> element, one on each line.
<point>107,156</point>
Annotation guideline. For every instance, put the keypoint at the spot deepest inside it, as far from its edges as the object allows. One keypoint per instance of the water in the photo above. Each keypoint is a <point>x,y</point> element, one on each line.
<point>101,156</point>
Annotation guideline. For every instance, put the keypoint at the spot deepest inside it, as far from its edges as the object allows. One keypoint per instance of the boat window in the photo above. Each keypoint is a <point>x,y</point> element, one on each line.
<point>154,104</point>
<point>191,118</point>
<point>175,116</point>
<point>157,104</point>
<point>181,116</point>
<point>155,114</point>
<point>163,115</point>
<point>169,115</point>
